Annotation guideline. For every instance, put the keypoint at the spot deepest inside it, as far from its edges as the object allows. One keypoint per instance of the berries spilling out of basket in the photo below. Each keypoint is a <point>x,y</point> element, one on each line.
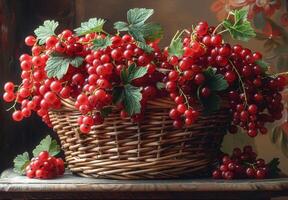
<point>245,164</point>
<point>97,73</point>
<point>206,70</point>
<point>45,167</point>
<point>97,70</point>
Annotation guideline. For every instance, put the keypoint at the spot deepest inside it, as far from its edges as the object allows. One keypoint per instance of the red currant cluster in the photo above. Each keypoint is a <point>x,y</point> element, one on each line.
<point>242,164</point>
<point>91,85</point>
<point>254,97</point>
<point>99,71</point>
<point>45,167</point>
<point>104,69</point>
<point>37,92</point>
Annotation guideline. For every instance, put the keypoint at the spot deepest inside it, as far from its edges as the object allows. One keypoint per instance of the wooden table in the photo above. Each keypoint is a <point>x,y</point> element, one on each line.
<point>13,186</point>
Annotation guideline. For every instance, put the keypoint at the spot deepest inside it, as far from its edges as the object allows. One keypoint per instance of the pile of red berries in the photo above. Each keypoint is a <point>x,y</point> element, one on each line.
<point>104,69</point>
<point>45,167</point>
<point>92,82</point>
<point>99,71</point>
<point>244,164</point>
<point>254,97</point>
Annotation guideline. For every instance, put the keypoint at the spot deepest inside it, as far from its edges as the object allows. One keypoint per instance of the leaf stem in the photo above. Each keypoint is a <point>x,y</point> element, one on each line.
<point>281,73</point>
<point>217,27</point>
<point>241,82</point>
<point>223,31</point>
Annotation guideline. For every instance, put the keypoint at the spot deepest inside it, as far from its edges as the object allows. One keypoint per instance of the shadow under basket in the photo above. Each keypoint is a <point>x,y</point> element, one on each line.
<point>150,149</point>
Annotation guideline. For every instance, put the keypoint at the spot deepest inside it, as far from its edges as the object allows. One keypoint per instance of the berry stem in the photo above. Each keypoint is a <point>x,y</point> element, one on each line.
<point>241,81</point>
<point>185,97</point>
<point>217,27</point>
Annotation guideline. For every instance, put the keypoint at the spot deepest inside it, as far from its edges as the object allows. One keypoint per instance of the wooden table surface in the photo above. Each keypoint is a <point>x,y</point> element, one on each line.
<point>13,186</point>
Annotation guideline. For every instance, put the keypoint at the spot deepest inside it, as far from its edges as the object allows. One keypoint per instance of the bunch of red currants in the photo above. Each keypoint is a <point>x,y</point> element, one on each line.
<point>244,164</point>
<point>45,167</point>
<point>102,73</point>
<point>240,79</point>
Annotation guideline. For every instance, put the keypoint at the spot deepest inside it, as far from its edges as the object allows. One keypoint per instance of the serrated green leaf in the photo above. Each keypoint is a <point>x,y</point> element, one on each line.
<point>117,95</point>
<point>105,111</point>
<point>101,43</point>
<point>47,144</point>
<point>20,163</point>
<point>241,29</point>
<point>76,62</point>
<point>273,167</point>
<point>137,28</point>
<point>93,25</point>
<point>152,31</point>
<point>216,82</point>
<point>240,14</point>
<point>264,65</point>
<point>160,85</point>
<point>145,47</point>
<point>176,48</point>
<point>211,104</point>
<point>46,30</point>
<point>132,72</point>
<point>136,72</point>
<point>121,26</point>
<point>57,65</point>
<point>138,16</point>
<point>136,33</point>
<point>131,100</point>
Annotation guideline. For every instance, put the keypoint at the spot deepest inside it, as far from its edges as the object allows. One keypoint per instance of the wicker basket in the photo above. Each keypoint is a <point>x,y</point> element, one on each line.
<point>151,149</point>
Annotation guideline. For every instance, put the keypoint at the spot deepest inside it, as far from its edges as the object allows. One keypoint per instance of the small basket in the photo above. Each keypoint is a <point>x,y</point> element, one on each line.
<point>150,149</point>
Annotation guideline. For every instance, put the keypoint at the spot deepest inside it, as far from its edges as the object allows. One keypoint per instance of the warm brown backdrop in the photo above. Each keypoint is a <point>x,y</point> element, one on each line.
<point>19,17</point>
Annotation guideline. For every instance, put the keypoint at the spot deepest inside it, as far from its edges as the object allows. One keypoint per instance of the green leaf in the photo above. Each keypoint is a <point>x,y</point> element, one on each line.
<point>101,43</point>
<point>176,48</point>
<point>76,62</point>
<point>160,85</point>
<point>93,25</point>
<point>152,31</point>
<point>117,95</point>
<point>243,32</point>
<point>137,28</point>
<point>20,163</point>
<point>264,65</point>
<point>131,100</point>
<point>121,26</point>
<point>241,14</point>
<point>133,72</point>
<point>241,29</point>
<point>47,144</point>
<point>105,111</point>
<point>211,104</point>
<point>136,33</point>
<point>136,72</point>
<point>57,65</point>
<point>273,166</point>
<point>145,47</point>
<point>46,30</point>
<point>216,82</point>
<point>138,16</point>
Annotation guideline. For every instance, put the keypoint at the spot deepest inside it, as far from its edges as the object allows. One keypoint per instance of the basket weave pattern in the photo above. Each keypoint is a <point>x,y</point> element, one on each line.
<point>120,149</point>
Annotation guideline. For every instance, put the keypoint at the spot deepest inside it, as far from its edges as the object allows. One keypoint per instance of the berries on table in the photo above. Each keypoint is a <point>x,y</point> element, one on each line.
<point>244,164</point>
<point>45,167</point>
